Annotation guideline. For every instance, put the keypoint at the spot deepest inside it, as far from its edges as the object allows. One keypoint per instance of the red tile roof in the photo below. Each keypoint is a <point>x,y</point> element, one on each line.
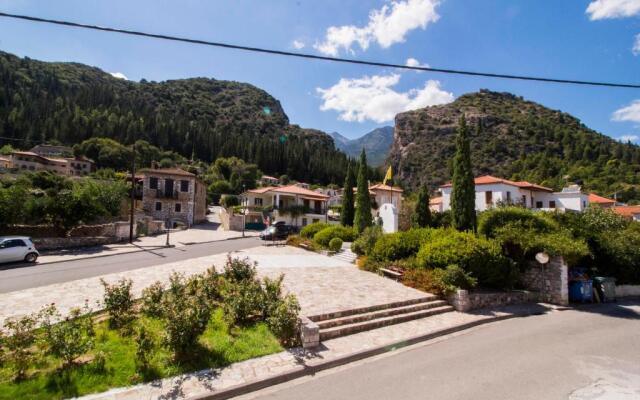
<point>627,211</point>
<point>594,198</point>
<point>489,180</point>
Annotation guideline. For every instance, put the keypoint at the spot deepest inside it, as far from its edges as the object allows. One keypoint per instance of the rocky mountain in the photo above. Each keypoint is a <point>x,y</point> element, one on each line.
<point>67,103</point>
<point>513,138</point>
<point>376,143</point>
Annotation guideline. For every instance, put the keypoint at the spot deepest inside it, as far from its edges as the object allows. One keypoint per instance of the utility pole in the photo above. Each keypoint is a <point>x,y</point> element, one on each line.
<point>244,209</point>
<point>169,225</point>
<point>133,192</point>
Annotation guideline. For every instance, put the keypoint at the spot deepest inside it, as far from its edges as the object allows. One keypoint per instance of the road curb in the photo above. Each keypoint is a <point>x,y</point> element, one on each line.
<point>314,367</point>
<point>140,250</point>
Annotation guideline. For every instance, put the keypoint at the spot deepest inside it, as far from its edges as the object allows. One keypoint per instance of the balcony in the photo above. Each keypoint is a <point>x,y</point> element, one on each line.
<point>163,194</point>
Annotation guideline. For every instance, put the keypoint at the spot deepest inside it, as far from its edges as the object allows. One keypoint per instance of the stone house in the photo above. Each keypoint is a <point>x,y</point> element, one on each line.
<point>5,163</point>
<point>173,194</point>
<point>70,166</point>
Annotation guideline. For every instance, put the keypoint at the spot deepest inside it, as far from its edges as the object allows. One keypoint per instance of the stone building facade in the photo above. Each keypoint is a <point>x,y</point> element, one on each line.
<point>173,194</point>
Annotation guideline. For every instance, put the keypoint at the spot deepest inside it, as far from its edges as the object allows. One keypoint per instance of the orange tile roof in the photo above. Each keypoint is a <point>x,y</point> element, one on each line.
<point>489,180</point>
<point>290,189</point>
<point>594,198</point>
<point>380,186</point>
<point>627,211</point>
<point>435,201</point>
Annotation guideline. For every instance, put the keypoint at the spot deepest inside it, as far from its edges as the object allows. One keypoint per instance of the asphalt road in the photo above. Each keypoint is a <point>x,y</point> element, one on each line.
<point>23,276</point>
<point>592,353</point>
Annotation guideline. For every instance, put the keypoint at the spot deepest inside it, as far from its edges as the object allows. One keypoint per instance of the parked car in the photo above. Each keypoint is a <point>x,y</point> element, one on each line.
<point>277,231</point>
<point>17,248</point>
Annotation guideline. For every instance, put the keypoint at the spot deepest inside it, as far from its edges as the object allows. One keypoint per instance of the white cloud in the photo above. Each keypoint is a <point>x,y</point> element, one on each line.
<point>298,44</point>
<point>630,113</point>
<point>119,75</point>
<point>604,9</point>
<point>412,62</point>
<point>636,46</point>
<point>373,98</point>
<point>388,25</point>
<point>629,138</point>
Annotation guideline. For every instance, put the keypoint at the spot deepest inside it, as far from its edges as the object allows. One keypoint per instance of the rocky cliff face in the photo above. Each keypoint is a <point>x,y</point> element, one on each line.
<point>510,137</point>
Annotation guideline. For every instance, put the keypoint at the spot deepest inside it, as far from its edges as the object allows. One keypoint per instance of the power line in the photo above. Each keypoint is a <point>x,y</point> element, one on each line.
<point>317,57</point>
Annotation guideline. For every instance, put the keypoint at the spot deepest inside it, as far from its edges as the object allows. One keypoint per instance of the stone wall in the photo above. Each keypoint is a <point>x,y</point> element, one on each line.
<point>230,221</point>
<point>628,291</point>
<point>57,243</point>
<point>464,300</point>
<point>549,282</point>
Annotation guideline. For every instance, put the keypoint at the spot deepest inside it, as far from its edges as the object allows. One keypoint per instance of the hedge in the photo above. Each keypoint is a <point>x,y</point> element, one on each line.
<point>492,220</point>
<point>399,245</point>
<point>347,234</point>
<point>310,230</point>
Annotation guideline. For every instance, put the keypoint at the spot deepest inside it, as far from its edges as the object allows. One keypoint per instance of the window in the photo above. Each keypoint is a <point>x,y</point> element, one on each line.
<point>584,204</point>
<point>178,207</point>
<point>13,243</point>
<point>153,183</point>
<point>304,222</point>
<point>257,201</point>
<point>184,186</point>
<point>316,220</point>
<point>552,204</point>
<point>508,197</point>
<point>524,200</point>
<point>158,206</point>
<point>538,204</point>
<point>488,198</point>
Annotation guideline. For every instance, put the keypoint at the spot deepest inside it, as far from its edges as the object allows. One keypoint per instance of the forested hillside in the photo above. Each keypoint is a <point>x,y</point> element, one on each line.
<point>517,139</point>
<point>206,118</point>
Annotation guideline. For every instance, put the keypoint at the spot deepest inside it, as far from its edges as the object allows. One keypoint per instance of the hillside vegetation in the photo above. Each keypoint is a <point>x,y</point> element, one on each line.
<point>517,139</point>
<point>199,117</point>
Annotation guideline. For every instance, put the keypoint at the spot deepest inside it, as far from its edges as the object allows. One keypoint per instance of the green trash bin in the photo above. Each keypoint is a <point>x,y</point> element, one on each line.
<point>606,288</point>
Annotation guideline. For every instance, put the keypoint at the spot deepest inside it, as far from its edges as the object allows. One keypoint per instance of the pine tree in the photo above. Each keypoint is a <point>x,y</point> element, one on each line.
<point>362,218</point>
<point>423,212</point>
<point>463,196</point>
<point>346,214</point>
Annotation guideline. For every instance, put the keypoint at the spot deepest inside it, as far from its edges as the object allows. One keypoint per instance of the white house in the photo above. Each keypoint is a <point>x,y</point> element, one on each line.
<point>293,204</point>
<point>491,191</point>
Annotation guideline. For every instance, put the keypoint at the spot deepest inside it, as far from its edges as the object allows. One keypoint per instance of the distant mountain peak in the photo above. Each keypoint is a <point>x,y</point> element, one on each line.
<point>376,143</point>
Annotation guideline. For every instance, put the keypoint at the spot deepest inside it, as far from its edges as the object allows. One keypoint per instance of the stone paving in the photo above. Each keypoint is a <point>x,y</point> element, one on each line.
<point>322,284</point>
<point>211,381</point>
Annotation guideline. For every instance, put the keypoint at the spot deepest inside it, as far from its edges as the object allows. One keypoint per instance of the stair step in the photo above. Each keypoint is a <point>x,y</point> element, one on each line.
<point>363,310</point>
<point>344,330</point>
<point>351,319</point>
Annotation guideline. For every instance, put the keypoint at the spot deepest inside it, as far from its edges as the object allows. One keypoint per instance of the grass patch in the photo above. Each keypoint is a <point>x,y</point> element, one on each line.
<point>219,346</point>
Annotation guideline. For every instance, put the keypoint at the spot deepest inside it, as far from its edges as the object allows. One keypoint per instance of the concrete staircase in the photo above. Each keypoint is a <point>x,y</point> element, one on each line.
<point>345,254</point>
<point>348,322</point>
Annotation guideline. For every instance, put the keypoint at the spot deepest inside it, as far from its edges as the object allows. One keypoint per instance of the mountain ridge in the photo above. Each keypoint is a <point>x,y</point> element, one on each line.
<point>377,144</point>
<point>516,139</point>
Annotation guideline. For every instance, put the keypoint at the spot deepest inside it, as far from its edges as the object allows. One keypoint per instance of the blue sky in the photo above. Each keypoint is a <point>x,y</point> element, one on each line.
<point>589,40</point>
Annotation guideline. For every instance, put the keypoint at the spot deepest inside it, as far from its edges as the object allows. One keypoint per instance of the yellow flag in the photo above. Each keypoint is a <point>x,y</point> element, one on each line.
<point>388,176</point>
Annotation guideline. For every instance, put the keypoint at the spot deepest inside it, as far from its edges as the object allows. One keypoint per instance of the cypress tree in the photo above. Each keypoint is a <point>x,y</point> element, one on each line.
<point>362,218</point>
<point>423,212</point>
<point>463,194</point>
<point>346,214</point>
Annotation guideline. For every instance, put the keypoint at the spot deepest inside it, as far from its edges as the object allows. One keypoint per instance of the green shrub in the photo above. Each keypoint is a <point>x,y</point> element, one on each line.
<point>617,254</point>
<point>144,350</point>
<point>347,234</point>
<point>271,294</point>
<point>239,270</point>
<point>480,257</point>
<point>118,301</point>
<point>152,300</point>
<point>309,231</point>
<point>70,337</point>
<point>229,201</point>
<point>283,320</point>
<point>439,281</point>
<point>335,244</point>
<point>399,245</point>
<point>363,245</point>
<point>491,220</point>
<point>21,336</point>
<point>521,243</point>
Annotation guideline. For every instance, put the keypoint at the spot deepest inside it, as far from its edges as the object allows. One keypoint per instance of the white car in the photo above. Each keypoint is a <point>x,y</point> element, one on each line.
<point>17,248</point>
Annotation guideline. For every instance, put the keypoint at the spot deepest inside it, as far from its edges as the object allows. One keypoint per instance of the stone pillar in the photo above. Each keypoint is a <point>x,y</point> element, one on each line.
<point>309,333</point>
<point>460,300</point>
<point>550,281</point>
